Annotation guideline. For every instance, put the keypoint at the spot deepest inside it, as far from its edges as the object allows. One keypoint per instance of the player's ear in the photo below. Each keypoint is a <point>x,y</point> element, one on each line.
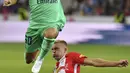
<point>66,49</point>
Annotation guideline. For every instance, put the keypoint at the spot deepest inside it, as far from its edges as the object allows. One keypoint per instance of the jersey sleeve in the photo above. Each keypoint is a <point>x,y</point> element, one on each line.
<point>77,57</point>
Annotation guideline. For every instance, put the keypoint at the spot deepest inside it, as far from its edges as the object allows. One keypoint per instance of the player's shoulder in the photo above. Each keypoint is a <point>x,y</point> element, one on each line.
<point>72,53</point>
<point>75,54</point>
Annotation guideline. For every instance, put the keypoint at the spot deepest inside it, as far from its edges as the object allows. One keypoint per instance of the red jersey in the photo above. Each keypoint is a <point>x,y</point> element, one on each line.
<point>70,63</point>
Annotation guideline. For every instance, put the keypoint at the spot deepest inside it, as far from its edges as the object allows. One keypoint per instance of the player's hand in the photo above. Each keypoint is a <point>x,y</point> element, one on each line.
<point>9,2</point>
<point>123,63</point>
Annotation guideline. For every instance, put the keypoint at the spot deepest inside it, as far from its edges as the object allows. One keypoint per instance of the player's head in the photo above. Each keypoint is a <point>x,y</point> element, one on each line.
<point>59,49</point>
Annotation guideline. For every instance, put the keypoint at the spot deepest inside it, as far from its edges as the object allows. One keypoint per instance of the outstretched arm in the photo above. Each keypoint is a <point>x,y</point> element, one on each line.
<point>9,2</point>
<point>105,63</point>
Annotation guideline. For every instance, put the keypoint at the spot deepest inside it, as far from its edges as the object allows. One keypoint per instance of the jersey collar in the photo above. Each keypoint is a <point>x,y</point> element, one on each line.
<point>62,58</point>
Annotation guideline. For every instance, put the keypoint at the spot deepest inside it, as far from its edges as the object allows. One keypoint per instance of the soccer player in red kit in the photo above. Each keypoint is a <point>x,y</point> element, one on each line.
<point>70,62</point>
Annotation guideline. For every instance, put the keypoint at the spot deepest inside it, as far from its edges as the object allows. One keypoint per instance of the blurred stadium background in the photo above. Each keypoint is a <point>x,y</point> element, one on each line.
<point>95,28</point>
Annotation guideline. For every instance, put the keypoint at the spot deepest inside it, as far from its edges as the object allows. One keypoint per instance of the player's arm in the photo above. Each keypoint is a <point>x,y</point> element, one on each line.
<point>105,63</point>
<point>9,2</point>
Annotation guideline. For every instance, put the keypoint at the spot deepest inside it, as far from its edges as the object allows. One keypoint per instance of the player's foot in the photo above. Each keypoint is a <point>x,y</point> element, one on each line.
<point>37,65</point>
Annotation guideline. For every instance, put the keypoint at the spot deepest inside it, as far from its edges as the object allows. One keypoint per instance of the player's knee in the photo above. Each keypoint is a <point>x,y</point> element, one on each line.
<point>29,58</point>
<point>29,61</point>
<point>51,33</point>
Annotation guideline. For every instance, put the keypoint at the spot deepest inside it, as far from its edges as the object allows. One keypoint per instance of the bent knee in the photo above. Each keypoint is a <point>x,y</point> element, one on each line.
<point>29,61</point>
<point>30,57</point>
<point>50,33</point>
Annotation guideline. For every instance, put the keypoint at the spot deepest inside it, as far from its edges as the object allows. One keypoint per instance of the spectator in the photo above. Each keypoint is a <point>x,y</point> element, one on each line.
<point>22,11</point>
<point>84,7</point>
<point>5,13</point>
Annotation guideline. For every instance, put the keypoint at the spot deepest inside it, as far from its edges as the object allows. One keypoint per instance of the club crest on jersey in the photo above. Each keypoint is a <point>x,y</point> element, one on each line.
<point>81,56</point>
<point>46,1</point>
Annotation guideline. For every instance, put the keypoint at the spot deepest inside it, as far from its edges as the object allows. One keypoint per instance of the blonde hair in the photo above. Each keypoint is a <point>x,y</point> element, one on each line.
<point>61,41</point>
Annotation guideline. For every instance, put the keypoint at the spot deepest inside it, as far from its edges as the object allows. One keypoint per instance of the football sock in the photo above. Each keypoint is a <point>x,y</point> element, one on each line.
<point>45,47</point>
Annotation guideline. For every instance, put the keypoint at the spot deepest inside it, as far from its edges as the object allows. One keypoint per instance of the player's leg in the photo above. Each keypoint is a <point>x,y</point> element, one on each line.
<point>49,35</point>
<point>30,57</point>
<point>32,44</point>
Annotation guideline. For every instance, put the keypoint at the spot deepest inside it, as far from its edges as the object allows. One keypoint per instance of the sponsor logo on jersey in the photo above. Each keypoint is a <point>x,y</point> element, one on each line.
<point>46,1</point>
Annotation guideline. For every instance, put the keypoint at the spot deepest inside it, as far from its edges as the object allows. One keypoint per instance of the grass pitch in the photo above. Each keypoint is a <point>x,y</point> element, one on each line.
<point>12,58</point>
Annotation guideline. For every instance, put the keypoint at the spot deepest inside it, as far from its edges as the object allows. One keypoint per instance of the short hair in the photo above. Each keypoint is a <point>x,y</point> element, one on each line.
<point>61,41</point>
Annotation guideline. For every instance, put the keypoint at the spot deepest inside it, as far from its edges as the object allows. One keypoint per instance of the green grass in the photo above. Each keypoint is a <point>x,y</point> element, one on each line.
<point>12,58</point>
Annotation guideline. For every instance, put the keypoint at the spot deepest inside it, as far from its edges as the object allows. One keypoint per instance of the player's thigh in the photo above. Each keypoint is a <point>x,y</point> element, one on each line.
<point>33,41</point>
<point>55,26</point>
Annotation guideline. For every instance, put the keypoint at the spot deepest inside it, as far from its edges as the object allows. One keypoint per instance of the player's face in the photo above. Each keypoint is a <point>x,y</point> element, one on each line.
<point>58,51</point>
